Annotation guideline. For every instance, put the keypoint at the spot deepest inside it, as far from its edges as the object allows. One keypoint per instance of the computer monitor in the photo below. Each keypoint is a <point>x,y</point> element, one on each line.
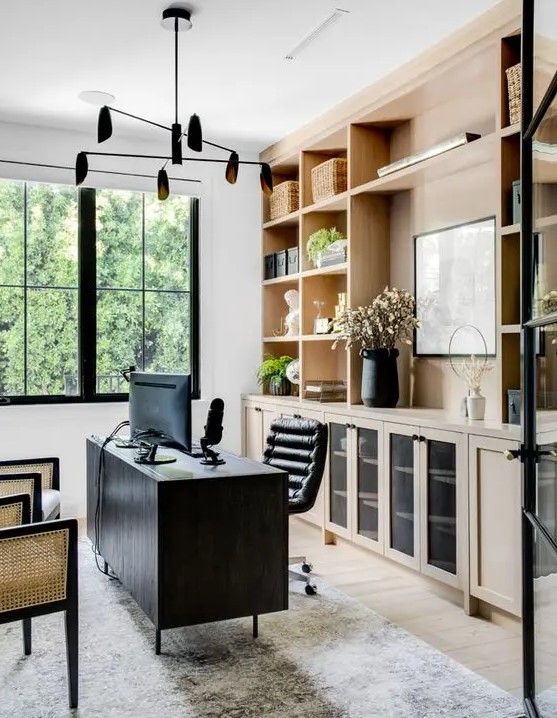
<point>160,409</point>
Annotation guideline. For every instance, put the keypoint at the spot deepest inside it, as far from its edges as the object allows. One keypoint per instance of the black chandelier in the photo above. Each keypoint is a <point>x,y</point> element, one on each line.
<point>177,19</point>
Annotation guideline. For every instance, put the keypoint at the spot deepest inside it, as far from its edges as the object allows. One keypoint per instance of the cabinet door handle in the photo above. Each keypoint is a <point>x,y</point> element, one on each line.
<point>422,438</point>
<point>352,426</point>
<point>348,426</point>
<point>415,437</point>
<point>296,416</point>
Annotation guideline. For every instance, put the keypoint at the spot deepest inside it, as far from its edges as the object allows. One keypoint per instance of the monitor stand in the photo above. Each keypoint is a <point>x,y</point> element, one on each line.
<point>151,456</point>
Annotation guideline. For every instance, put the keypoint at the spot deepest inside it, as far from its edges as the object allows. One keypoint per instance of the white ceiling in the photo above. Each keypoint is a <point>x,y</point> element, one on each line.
<point>232,69</point>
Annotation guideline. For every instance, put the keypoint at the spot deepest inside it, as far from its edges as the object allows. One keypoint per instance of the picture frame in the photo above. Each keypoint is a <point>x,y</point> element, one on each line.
<point>454,284</point>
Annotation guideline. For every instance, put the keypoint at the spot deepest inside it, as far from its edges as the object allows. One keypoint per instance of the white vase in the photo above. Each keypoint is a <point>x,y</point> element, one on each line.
<point>476,405</point>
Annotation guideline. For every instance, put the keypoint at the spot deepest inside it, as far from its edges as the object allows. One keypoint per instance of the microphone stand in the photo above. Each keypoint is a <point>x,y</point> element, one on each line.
<point>211,457</point>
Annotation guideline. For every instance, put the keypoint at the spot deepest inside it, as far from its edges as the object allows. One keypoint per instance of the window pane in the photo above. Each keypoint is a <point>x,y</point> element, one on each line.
<point>119,239</point>
<point>11,232</point>
<point>167,332</point>
<point>119,337</point>
<point>52,341</point>
<point>11,342</point>
<point>51,235</point>
<point>167,243</point>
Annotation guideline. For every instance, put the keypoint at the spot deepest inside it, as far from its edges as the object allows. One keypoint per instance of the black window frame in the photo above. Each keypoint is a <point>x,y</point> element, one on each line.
<point>87,309</point>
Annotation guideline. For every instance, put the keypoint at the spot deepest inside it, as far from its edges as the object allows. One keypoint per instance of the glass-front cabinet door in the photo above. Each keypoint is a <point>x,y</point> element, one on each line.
<point>368,504</point>
<point>338,499</point>
<point>402,492</point>
<point>443,496</point>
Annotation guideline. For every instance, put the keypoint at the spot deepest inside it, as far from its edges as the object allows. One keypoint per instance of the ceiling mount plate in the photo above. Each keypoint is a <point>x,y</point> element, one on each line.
<point>181,14</point>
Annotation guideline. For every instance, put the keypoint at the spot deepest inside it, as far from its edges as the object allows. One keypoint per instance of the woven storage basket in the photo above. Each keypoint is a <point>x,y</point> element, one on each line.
<point>329,178</point>
<point>285,199</point>
<point>514,85</point>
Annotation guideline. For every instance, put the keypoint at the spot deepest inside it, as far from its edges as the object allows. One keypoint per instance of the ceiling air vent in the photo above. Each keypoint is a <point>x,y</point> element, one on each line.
<point>316,32</point>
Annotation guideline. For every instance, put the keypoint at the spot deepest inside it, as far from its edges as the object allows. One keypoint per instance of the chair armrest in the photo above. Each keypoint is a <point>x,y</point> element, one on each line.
<point>21,483</point>
<point>15,510</point>
<point>48,467</point>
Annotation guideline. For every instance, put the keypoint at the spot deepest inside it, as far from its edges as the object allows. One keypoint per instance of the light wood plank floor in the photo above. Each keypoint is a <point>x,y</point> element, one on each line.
<point>490,649</point>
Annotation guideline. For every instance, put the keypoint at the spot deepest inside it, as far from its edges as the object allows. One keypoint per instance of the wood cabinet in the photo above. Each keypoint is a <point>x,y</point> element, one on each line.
<point>442,501</point>
<point>495,529</point>
<point>426,497</point>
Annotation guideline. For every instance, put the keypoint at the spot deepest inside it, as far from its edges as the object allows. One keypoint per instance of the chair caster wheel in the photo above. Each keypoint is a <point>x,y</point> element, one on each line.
<point>306,567</point>
<point>310,589</point>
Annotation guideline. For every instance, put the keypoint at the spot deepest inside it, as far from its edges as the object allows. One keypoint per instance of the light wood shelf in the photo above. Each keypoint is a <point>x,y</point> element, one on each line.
<point>334,269</point>
<point>510,329</point>
<point>289,220</point>
<point>272,340</point>
<point>318,337</point>
<point>510,229</point>
<point>510,130</point>
<point>338,203</point>
<point>546,222</point>
<point>287,279</point>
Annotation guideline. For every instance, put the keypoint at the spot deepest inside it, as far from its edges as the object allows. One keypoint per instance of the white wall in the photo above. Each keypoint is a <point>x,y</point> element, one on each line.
<point>229,286</point>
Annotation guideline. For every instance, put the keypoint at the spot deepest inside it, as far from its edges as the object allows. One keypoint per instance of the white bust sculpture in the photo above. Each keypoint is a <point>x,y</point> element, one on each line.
<point>292,321</point>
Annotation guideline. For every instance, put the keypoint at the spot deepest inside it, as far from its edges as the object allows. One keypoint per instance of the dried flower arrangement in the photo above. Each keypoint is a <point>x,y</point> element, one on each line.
<point>387,320</point>
<point>472,371</point>
<point>549,302</point>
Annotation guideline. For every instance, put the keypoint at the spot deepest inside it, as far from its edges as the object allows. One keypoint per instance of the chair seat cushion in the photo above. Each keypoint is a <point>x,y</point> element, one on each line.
<point>51,504</point>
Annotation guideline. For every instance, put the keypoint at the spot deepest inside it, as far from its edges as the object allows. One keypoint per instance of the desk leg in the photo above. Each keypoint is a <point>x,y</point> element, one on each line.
<point>157,641</point>
<point>255,627</point>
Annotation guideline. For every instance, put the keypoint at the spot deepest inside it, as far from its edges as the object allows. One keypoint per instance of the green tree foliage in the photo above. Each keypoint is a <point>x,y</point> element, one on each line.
<point>127,223</point>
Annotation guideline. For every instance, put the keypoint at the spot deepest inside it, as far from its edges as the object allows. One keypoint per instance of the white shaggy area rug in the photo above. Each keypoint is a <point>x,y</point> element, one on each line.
<point>327,657</point>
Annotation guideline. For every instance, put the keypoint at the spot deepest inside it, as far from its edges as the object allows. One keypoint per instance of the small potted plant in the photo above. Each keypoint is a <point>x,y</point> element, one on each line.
<point>320,241</point>
<point>377,328</point>
<point>273,371</point>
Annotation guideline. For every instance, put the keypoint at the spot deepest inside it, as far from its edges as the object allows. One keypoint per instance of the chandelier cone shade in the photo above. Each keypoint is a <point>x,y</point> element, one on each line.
<point>163,186</point>
<point>81,168</point>
<point>266,179</point>
<point>176,19</point>
<point>232,168</point>
<point>104,125</point>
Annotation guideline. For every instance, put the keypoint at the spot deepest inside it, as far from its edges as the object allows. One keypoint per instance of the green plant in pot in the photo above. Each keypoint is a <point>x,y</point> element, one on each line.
<point>321,240</point>
<point>377,329</point>
<point>273,371</point>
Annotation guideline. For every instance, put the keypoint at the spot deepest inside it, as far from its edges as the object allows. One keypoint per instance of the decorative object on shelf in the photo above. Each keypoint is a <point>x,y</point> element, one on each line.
<point>270,266</point>
<point>514,90</point>
<point>293,376</point>
<point>292,264</point>
<point>176,19</point>
<point>516,202</point>
<point>321,241</point>
<point>325,389</point>
<point>292,321</point>
<point>514,401</point>
<point>548,303</point>
<point>285,199</point>
<point>339,309</point>
<point>329,178</point>
<point>472,371</point>
<point>273,371</point>
<point>377,328</point>
<point>321,324</point>
<point>455,285</point>
<point>462,139</point>
<point>280,263</point>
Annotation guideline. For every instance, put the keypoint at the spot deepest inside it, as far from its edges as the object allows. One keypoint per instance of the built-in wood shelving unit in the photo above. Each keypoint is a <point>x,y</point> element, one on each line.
<point>380,215</point>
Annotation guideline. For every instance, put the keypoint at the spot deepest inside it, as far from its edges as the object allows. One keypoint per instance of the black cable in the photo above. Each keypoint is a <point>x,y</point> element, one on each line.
<point>100,476</point>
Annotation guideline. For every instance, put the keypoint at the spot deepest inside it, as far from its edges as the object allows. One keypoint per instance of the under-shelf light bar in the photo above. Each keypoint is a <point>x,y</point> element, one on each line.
<point>314,34</point>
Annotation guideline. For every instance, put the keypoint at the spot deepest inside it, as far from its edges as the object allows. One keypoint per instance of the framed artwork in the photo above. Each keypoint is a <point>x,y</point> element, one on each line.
<point>455,286</point>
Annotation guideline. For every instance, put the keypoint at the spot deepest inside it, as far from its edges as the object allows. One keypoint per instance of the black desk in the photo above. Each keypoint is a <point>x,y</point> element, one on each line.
<point>192,543</point>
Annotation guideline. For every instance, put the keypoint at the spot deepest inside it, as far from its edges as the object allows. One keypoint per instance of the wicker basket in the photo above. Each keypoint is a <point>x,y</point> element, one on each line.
<point>285,199</point>
<point>514,84</point>
<point>329,178</point>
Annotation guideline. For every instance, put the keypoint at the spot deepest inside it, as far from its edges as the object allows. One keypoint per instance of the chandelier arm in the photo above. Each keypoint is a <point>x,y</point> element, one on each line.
<point>141,119</point>
<point>161,157</point>
<point>213,144</point>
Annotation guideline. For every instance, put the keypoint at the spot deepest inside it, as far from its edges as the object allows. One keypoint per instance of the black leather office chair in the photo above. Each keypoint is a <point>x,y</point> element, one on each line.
<point>299,446</point>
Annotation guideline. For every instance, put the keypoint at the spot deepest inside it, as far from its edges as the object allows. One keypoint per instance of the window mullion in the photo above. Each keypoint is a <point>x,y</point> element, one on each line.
<point>25,383</point>
<point>87,239</point>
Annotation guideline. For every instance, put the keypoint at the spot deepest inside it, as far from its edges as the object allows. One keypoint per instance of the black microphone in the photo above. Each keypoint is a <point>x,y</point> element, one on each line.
<point>213,427</point>
<point>213,433</point>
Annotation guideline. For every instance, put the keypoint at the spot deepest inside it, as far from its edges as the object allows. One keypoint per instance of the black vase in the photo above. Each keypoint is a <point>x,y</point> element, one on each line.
<point>380,378</point>
<point>279,386</point>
